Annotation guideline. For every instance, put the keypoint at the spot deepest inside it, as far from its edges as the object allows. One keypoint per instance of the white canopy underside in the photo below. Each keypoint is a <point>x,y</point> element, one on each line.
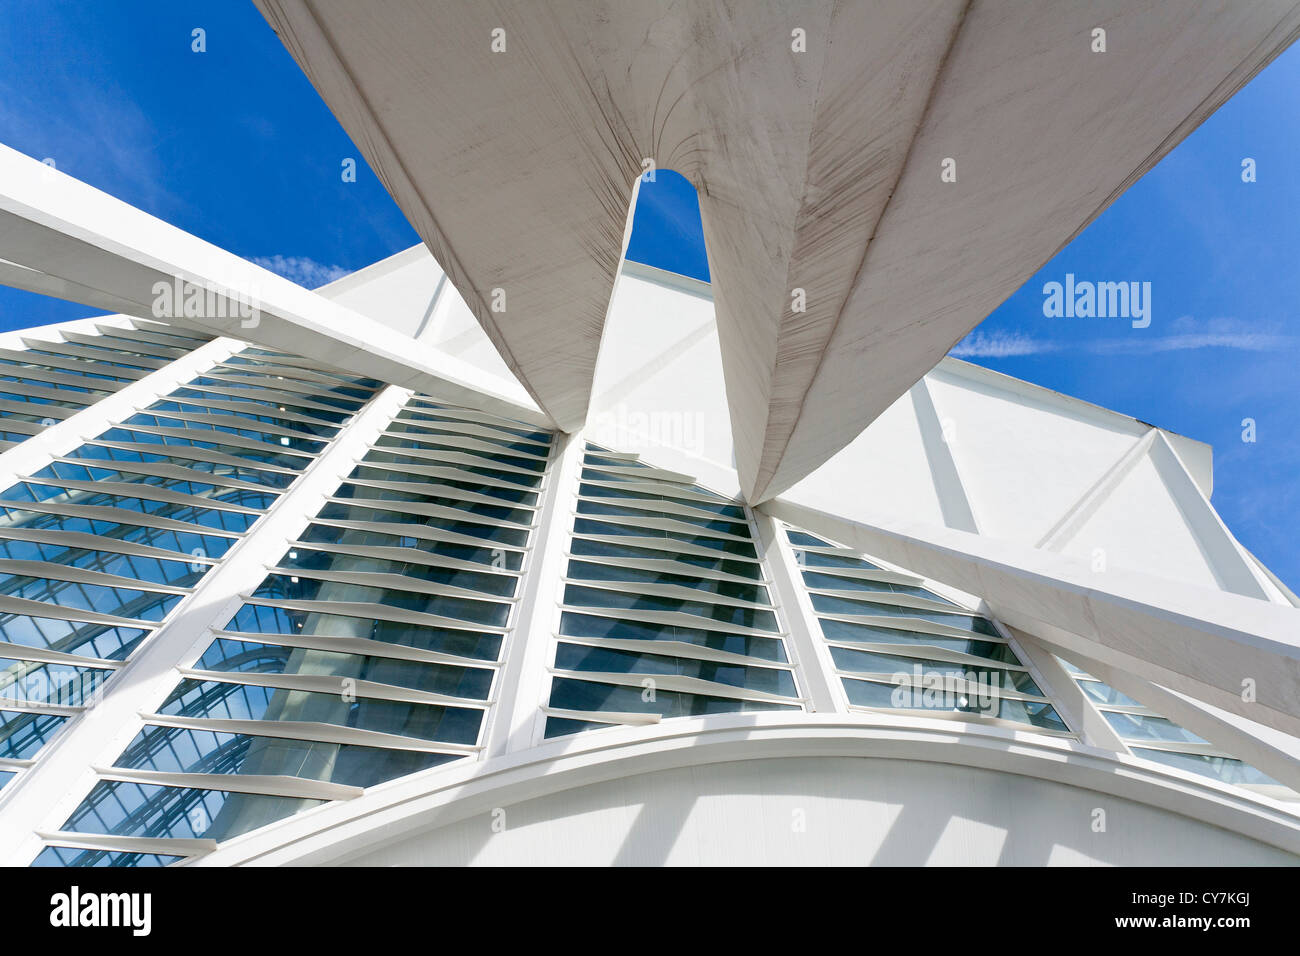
<point>817,170</point>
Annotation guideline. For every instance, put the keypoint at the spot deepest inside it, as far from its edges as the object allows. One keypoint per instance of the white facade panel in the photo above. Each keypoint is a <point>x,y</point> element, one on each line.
<point>659,389</point>
<point>1024,461</point>
<point>886,466</point>
<point>409,293</point>
<point>1141,526</point>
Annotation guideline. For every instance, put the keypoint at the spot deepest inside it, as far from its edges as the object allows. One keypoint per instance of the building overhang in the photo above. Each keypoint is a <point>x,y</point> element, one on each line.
<point>873,179</point>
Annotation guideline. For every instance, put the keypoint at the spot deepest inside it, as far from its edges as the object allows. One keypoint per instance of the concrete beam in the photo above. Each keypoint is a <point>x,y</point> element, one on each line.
<point>1202,643</point>
<point>1277,754</point>
<point>816,133</point>
<point>62,237</point>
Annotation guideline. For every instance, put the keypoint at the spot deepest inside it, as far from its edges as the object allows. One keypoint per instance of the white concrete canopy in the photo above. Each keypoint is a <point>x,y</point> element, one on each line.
<point>62,237</point>
<point>511,134</point>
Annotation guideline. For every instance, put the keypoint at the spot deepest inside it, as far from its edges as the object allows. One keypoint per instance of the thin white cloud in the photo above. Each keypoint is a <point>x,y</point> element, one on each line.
<point>1250,342</point>
<point>1000,345</point>
<point>1186,334</point>
<point>300,269</point>
<point>97,136</point>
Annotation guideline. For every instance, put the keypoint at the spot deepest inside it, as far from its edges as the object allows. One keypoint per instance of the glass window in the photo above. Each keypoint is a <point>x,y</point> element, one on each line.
<point>724,563</point>
<point>147,810</point>
<point>258,619</point>
<point>457,725</point>
<point>23,733</point>
<point>758,619</point>
<point>892,696</point>
<point>490,585</point>
<point>826,604</point>
<point>593,571</point>
<point>226,654</point>
<point>571,694</point>
<point>576,624</point>
<point>1225,769</point>
<point>73,856</point>
<point>994,650</point>
<point>106,642</point>
<point>179,750</point>
<point>1139,727</point>
<point>375,512</point>
<point>872,662</point>
<point>287,587</point>
<point>647,510</point>
<point>593,527</point>
<point>834,582</point>
<point>722,509</point>
<point>34,682</point>
<point>582,657</point>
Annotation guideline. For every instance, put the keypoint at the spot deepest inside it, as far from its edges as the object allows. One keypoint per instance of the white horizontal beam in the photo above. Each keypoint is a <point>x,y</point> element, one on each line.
<point>276,785</point>
<point>1207,644</point>
<point>89,247</point>
<point>1276,754</point>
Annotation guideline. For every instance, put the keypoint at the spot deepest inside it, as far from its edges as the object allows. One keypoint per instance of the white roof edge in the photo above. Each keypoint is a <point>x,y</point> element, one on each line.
<point>668,279</point>
<point>376,269</point>
<point>13,337</point>
<point>1273,579</point>
<point>1198,455</point>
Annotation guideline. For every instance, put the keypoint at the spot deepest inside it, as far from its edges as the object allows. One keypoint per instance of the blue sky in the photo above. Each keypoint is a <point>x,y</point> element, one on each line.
<point>234,146</point>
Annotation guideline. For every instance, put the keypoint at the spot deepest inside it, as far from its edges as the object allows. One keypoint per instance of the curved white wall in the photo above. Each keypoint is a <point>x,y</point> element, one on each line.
<point>853,811</point>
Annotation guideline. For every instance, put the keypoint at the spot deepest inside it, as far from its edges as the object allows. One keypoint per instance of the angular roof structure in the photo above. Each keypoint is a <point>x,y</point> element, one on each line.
<point>617,566</point>
<point>817,134</point>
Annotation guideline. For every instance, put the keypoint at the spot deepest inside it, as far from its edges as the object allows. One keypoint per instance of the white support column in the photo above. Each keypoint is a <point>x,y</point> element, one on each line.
<point>62,437</point>
<point>811,655</point>
<point>937,441</point>
<point>47,794</point>
<point>517,721</point>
